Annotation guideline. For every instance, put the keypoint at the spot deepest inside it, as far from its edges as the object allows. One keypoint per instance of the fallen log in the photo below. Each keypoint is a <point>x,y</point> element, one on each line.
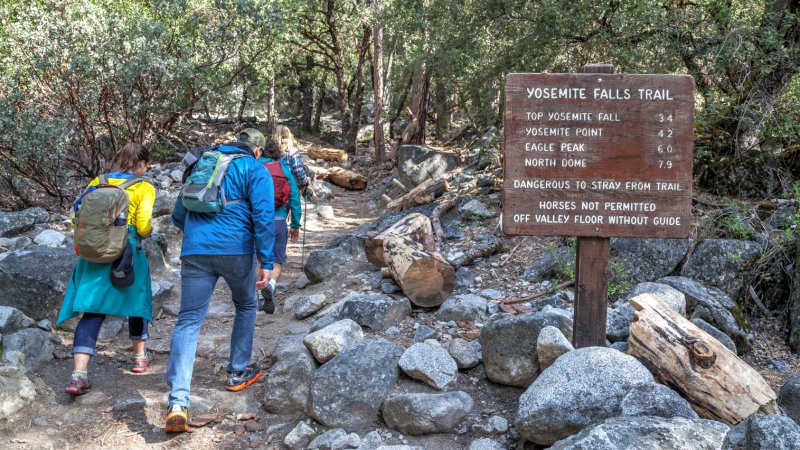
<point>347,179</point>
<point>420,195</point>
<point>328,154</point>
<point>438,233</point>
<point>321,173</point>
<point>426,278</point>
<point>717,384</point>
<point>413,226</point>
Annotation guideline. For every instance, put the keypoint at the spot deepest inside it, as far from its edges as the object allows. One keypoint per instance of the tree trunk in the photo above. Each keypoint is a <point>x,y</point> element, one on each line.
<point>423,194</point>
<point>347,179</point>
<point>328,154</point>
<point>438,233</point>
<point>321,173</point>
<point>377,86</point>
<point>358,100</point>
<point>717,384</point>
<point>419,101</point>
<point>307,89</point>
<point>413,226</point>
<point>271,106</point>
<point>426,278</point>
<point>401,104</point>
<point>320,104</point>
<point>243,104</point>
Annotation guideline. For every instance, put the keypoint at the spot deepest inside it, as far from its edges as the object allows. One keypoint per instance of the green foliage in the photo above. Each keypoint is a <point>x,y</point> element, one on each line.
<point>621,283</point>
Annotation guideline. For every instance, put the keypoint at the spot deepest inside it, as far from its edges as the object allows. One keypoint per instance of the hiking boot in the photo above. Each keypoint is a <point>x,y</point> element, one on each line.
<point>78,386</point>
<point>140,365</point>
<point>268,293</point>
<point>177,419</point>
<point>240,380</point>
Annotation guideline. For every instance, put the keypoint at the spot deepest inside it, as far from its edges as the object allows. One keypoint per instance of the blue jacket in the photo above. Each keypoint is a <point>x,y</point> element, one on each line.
<point>241,228</point>
<point>294,195</point>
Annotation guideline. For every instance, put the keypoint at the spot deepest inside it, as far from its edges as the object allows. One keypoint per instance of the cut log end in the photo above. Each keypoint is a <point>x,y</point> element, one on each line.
<point>702,354</point>
<point>429,281</point>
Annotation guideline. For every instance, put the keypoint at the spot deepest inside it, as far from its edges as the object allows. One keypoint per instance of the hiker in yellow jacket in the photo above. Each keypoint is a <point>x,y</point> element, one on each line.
<point>90,290</point>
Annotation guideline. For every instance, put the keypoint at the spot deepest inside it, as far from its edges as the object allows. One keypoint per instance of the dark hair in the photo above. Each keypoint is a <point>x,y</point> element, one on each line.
<point>271,150</point>
<point>130,155</point>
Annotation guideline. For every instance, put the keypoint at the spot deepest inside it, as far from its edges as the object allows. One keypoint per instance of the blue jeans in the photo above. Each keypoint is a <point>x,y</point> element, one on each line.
<point>199,275</point>
<point>89,328</point>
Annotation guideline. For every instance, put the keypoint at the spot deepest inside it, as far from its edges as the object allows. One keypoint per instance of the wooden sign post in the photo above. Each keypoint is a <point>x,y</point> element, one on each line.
<point>597,155</point>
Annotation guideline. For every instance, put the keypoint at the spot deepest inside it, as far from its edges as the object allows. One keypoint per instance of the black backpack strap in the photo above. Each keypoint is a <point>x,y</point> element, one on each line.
<point>129,182</point>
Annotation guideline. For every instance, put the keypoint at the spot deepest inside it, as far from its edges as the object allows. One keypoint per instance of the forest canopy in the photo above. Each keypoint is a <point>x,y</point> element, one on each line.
<point>78,79</point>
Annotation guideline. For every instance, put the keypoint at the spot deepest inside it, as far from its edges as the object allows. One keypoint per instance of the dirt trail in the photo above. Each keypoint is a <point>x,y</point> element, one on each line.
<point>127,410</point>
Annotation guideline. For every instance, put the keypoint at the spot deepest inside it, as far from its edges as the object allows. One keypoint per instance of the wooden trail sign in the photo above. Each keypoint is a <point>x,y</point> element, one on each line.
<point>597,155</point>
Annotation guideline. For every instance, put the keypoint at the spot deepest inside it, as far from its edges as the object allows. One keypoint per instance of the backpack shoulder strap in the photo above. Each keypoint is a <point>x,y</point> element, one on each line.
<point>130,182</point>
<point>103,179</point>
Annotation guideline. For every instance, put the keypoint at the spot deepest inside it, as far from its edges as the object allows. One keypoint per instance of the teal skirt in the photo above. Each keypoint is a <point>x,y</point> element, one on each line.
<point>90,289</point>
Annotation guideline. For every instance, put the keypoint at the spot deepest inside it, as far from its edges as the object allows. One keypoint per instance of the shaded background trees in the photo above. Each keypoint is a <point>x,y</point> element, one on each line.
<point>78,79</point>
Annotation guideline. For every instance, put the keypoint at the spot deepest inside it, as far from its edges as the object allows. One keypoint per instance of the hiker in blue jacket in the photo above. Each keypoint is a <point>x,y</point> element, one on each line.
<point>272,152</point>
<point>222,245</point>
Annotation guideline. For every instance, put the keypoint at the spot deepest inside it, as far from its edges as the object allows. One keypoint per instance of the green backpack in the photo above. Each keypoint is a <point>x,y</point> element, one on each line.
<point>100,223</point>
<point>201,191</point>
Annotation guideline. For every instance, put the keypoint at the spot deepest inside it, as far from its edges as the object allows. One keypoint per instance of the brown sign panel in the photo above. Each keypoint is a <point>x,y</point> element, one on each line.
<point>600,155</point>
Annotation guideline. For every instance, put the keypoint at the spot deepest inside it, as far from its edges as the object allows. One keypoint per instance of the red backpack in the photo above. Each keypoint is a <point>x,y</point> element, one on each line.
<point>279,182</point>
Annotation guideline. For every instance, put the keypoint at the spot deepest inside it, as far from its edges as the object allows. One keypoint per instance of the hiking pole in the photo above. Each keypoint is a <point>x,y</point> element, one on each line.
<point>303,245</point>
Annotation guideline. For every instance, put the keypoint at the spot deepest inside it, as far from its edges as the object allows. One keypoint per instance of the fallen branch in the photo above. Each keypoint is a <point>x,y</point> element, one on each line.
<point>438,233</point>
<point>458,135</point>
<point>533,296</point>
<point>502,263</point>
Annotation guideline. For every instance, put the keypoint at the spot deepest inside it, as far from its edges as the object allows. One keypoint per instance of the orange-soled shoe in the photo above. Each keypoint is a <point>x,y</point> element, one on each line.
<point>177,419</point>
<point>240,380</point>
<point>140,365</point>
<point>78,386</point>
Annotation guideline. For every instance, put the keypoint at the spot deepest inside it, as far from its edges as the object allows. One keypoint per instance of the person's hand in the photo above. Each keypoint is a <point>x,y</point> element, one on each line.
<point>262,278</point>
<point>294,234</point>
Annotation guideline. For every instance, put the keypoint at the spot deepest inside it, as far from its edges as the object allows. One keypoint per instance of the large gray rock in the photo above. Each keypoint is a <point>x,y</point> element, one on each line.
<point>582,388</point>
<point>551,344</point>
<point>16,391</point>
<point>328,342</point>
<point>307,306</point>
<point>352,244</point>
<point>13,320</point>
<point>789,397</point>
<point>772,433</point>
<point>416,414</point>
<point>652,399</point>
<point>637,433</point>
<point>429,363</point>
<point>324,264</point>
<point>722,263</point>
<point>793,306</point>
<point>376,311</point>
<point>37,346</point>
<point>164,204</point>
<point>467,307</point>
<point>289,381</point>
<point>485,444</point>
<point>348,390</point>
<point>300,436</point>
<point>336,439</point>
<point>463,353</point>
<point>552,264</point>
<point>715,307</point>
<point>14,244</point>
<point>417,163</point>
<point>509,345</point>
<point>50,238</point>
<point>14,223</point>
<point>716,334</point>
<point>34,280</point>
<point>155,248</point>
<point>647,259</point>
<point>474,210</point>
<point>165,226</point>
<point>619,319</point>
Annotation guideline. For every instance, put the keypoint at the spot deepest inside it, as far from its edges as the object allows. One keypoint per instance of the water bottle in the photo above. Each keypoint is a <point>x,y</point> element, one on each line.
<point>121,220</point>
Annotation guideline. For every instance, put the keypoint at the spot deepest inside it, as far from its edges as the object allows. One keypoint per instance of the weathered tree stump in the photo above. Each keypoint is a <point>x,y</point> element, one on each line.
<point>321,173</point>
<point>420,195</point>
<point>347,179</point>
<point>413,226</point>
<point>717,384</point>
<point>328,154</point>
<point>426,278</point>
